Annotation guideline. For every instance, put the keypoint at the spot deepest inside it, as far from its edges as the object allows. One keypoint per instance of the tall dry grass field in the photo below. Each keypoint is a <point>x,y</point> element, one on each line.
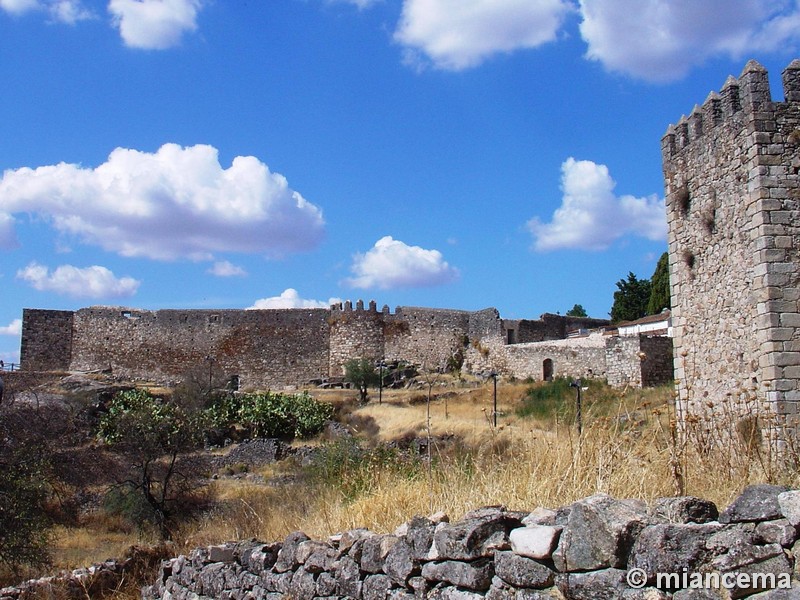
<point>628,448</point>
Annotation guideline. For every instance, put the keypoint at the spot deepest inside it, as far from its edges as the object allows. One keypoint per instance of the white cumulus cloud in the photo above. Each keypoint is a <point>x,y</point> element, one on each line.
<point>154,24</point>
<point>89,282</point>
<point>661,41</point>
<point>290,298</point>
<point>13,328</point>
<point>360,4</point>
<point>223,268</point>
<point>392,264</point>
<point>174,203</point>
<point>591,216</point>
<point>63,11</point>
<point>458,34</point>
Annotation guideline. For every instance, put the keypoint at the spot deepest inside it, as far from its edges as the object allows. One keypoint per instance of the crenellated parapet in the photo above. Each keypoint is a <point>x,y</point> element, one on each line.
<point>742,102</point>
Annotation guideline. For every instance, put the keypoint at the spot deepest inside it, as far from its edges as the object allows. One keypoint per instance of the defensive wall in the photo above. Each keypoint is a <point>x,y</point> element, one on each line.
<point>289,347</point>
<point>733,209</point>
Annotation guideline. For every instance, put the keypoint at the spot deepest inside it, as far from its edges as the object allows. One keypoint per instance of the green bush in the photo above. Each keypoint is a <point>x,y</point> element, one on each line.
<point>352,470</point>
<point>271,415</point>
<point>549,400</point>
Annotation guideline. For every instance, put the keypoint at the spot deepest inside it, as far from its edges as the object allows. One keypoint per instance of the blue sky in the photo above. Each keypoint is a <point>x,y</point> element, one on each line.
<point>276,153</point>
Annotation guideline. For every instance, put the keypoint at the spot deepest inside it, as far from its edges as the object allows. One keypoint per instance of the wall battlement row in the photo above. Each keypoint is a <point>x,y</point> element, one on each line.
<point>741,102</point>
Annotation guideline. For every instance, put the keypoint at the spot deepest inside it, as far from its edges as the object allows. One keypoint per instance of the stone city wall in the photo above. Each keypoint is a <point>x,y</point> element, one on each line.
<point>593,549</point>
<point>291,347</point>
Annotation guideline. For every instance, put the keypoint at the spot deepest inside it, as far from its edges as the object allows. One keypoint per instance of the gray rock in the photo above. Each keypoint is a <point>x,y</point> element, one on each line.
<point>535,541</point>
<point>221,553</point>
<point>520,571</point>
<point>320,559</point>
<point>756,503</point>
<point>780,531</point>
<point>212,579</point>
<point>476,575</point>
<point>607,584</point>
<point>376,587</point>
<point>684,509</point>
<point>452,593</point>
<point>276,582</point>
<point>286,557</point>
<point>302,586</point>
<point>768,571</point>
<point>348,538</point>
<point>475,536</point>
<point>374,551</point>
<point>419,536</point>
<point>696,595</point>
<point>789,594</point>
<point>399,563</point>
<point>326,584</point>
<point>260,557</point>
<point>789,503</point>
<point>500,590</point>
<point>599,533</point>
<point>348,577</point>
<point>669,548</point>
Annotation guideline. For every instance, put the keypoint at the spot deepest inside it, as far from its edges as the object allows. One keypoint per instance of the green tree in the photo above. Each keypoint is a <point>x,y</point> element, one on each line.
<point>577,311</point>
<point>630,299</point>
<point>361,373</point>
<point>152,434</point>
<point>660,292</point>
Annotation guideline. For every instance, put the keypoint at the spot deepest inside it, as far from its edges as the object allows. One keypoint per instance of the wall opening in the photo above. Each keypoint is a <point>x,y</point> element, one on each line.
<point>547,369</point>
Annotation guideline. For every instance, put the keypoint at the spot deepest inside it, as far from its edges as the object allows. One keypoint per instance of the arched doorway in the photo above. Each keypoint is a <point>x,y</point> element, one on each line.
<point>547,369</point>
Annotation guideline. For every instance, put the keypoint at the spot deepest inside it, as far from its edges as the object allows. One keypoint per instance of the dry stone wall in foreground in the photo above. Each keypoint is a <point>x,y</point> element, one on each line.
<point>583,551</point>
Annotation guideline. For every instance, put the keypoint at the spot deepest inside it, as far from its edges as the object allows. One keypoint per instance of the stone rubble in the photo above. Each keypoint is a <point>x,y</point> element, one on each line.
<point>581,551</point>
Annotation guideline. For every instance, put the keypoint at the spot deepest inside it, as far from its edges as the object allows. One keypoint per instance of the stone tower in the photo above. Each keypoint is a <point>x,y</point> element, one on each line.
<point>733,208</point>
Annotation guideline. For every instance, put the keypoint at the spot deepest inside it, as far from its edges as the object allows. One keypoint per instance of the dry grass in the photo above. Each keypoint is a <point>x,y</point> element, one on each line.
<point>626,450</point>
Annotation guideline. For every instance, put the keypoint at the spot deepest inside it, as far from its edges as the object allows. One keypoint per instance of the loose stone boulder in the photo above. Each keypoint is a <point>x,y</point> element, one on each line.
<point>756,503</point>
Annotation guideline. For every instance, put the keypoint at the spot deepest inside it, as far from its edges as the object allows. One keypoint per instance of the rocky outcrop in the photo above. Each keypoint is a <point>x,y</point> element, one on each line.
<point>597,548</point>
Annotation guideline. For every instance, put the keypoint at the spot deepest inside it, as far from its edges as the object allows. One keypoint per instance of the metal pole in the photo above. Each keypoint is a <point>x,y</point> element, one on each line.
<point>494,411</point>
<point>380,387</point>
<point>578,416</point>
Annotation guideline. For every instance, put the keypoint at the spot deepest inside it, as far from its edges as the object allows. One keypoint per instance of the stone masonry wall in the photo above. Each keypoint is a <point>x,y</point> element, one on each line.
<point>639,360</point>
<point>733,208</point>
<point>573,357</point>
<point>46,340</point>
<point>598,548</point>
<point>266,348</point>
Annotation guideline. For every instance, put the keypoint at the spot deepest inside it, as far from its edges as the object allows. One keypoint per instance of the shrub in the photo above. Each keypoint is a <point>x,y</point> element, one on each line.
<point>270,415</point>
<point>346,466</point>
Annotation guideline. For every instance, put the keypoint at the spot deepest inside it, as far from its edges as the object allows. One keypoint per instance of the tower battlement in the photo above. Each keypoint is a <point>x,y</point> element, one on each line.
<point>746,101</point>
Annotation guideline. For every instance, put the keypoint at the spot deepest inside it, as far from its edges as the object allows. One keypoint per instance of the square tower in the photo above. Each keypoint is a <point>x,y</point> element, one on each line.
<point>733,209</point>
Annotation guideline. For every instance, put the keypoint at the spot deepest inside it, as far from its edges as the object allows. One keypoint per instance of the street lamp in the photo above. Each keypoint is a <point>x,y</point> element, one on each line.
<point>493,375</point>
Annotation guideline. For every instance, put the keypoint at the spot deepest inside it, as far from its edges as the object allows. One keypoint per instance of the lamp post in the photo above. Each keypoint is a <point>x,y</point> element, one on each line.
<point>578,417</point>
<point>381,366</point>
<point>493,375</point>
